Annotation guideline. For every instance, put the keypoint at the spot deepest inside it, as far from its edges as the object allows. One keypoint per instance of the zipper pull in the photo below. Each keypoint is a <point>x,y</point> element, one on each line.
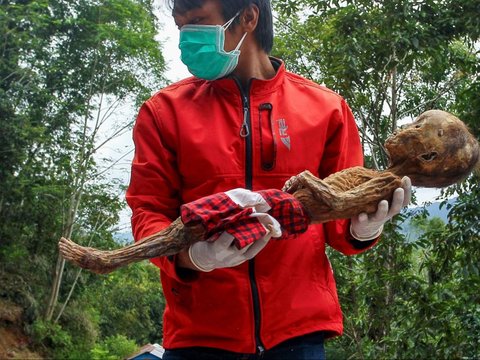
<point>245,131</point>
<point>260,351</point>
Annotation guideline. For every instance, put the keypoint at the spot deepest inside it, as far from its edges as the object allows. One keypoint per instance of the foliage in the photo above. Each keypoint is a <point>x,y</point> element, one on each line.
<point>414,294</point>
<point>113,348</point>
<point>52,336</point>
<point>130,302</point>
<point>111,317</point>
<point>65,69</point>
<point>65,346</point>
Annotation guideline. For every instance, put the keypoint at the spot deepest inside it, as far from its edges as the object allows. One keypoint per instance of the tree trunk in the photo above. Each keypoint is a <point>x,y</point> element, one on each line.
<point>60,266</point>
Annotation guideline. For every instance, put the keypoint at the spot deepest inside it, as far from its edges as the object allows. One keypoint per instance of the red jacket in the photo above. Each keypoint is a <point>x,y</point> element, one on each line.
<point>188,145</point>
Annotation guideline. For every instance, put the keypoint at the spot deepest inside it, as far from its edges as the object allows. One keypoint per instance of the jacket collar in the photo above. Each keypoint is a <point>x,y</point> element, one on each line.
<point>257,86</point>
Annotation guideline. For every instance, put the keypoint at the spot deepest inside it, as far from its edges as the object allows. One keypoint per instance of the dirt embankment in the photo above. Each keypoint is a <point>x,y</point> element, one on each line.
<point>13,342</point>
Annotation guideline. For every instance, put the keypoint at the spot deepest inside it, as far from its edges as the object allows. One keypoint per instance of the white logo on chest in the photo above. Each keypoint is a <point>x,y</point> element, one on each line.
<point>282,130</point>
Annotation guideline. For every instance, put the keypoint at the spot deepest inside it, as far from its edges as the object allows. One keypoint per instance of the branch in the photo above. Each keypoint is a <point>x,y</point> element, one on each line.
<point>98,174</point>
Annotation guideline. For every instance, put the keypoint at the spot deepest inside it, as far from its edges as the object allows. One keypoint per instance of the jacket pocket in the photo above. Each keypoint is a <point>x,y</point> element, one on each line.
<point>268,146</point>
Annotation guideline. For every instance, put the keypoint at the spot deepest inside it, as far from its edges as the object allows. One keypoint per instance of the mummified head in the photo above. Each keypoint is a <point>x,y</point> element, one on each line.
<point>436,150</point>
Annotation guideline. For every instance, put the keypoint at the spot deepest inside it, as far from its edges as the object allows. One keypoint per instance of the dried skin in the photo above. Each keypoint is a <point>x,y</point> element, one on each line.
<point>437,150</point>
<point>344,194</point>
<point>167,242</point>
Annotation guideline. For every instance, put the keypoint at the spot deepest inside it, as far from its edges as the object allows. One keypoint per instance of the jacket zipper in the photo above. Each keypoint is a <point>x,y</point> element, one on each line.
<point>246,133</point>
<point>256,306</point>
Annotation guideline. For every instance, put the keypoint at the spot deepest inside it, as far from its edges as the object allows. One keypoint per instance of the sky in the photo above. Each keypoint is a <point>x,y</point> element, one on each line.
<point>169,36</point>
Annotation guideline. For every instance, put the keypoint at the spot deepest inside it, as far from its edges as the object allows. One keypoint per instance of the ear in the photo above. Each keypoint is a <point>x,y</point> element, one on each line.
<point>249,18</point>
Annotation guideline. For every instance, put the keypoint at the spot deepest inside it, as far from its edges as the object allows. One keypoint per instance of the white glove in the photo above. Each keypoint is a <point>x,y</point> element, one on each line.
<point>221,253</point>
<point>366,227</point>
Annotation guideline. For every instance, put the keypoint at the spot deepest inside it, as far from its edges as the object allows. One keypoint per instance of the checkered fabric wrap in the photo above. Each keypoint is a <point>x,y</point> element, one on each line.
<point>287,210</point>
<point>219,213</point>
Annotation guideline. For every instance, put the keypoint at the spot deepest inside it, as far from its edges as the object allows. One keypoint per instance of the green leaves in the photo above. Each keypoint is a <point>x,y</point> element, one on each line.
<point>113,348</point>
<point>391,60</point>
<point>414,294</point>
<point>65,67</point>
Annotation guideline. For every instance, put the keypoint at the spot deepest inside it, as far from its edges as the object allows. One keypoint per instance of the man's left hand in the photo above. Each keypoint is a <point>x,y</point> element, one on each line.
<point>366,227</point>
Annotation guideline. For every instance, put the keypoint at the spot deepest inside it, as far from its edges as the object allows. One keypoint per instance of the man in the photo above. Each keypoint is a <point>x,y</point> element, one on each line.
<point>243,121</point>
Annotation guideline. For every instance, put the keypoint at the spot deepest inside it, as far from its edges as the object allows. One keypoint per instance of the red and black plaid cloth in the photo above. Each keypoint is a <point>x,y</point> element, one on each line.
<point>219,213</point>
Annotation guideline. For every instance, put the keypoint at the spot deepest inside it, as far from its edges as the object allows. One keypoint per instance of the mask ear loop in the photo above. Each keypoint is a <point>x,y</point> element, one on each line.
<point>229,22</point>
<point>241,41</point>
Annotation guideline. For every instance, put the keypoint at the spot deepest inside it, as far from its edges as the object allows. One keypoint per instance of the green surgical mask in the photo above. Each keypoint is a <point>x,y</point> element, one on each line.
<point>202,50</point>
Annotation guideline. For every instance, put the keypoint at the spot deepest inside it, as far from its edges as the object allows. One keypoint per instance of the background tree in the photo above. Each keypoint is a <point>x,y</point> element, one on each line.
<point>393,60</point>
<point>68,72</point>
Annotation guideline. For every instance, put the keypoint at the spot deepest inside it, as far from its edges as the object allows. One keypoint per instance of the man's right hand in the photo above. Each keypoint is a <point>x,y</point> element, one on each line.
<point>222,253</point>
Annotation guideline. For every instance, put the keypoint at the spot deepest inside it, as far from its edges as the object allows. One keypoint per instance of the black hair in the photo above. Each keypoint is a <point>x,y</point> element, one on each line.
<point>264,30</point>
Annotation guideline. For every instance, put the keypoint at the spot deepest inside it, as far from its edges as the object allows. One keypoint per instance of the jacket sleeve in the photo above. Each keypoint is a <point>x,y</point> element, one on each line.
<point>154,191</point>
<point>342,150</point>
